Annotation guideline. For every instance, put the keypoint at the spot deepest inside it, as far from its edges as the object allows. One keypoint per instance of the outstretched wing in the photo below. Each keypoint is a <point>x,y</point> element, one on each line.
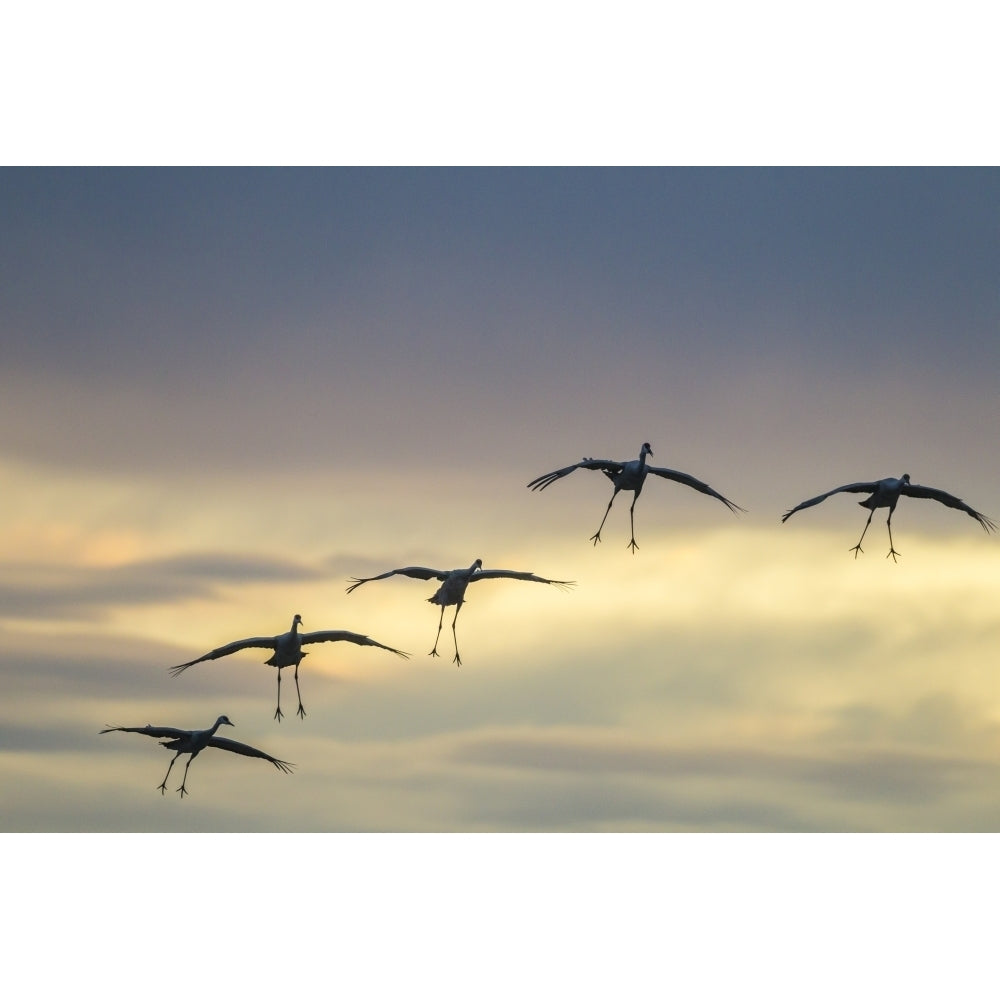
<point>852,488</point>
<point>259,642</point>
<point>513,574</point>
<point>930,493</point>
<point>603,464</point>
<point>417,572</point>
<point>695,484</point>
<point>167,732</point>
<point>358,640</point>
<point>223,744</point>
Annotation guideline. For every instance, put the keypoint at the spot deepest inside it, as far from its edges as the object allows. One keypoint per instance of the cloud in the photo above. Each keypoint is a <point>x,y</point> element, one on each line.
<point>30,592</point>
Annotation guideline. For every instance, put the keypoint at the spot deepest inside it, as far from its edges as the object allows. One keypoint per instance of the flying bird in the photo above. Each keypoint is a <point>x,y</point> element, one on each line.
<point>629,476</point>
<point>886,493</point>
<point>454,583</point>
<point>193,741</point>
<point>288,652</point>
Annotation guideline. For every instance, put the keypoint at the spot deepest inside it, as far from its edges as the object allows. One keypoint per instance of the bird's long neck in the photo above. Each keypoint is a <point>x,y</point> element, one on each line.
<point>295,626</point>
<point>211,732</point>
<point>642,459</point>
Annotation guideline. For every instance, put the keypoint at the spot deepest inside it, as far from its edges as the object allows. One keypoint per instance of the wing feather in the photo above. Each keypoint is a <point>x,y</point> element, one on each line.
<point>416,572</point>
<point>603,464</point>
<point>157,732</point>
<point>247,751</point>
<point>695,484</point>
<point>931,493</point>
<point>851,488</point>
<point>258,642</point>
<point>512,574</point>
<point>332,635</point>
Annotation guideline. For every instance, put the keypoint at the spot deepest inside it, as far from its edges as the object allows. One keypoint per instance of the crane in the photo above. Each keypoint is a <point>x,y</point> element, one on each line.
<point>630,476</point>
<point>193,741</point>
<point>288,652</point>
<point>886,493</point>
<point>454,583</point>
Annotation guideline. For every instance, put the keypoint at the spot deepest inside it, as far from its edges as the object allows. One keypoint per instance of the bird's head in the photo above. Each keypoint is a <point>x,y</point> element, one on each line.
<point>223,720</point>
<point>478,564</point>
<point>646,450</point>
<point>906,478</point>
<point>296,620</point>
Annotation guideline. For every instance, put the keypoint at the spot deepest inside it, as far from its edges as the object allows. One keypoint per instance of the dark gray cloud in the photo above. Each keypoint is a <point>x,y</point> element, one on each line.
<point>241,319</point>
<point>190,267</point>
<point>902,777</point>
<point>90,592</point>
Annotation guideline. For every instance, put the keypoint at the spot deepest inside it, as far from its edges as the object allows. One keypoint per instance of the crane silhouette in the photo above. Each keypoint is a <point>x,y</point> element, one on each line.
<point>629,476</point>
<point>193,741</point>
<point>886,493</point>
<point>288,652</point>
<point>454,583</point>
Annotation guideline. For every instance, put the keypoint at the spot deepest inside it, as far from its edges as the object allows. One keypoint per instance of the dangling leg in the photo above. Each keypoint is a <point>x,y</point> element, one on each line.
<point>857,548</point>
<point>631,521</point>
<point>596,538</point>
<point>183,789</point>
<point>892,551</point>
<point>434,651</point>
<point>277,712</point>
<point>454,634</point>
<point>163,785</point>
<point>301,712</point>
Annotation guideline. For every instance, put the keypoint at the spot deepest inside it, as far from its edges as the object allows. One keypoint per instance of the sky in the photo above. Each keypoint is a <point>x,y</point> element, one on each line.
<point>226,392</point>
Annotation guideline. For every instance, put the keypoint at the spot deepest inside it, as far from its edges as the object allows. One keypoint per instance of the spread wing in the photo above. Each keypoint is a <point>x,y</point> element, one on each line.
<point>852,488</point>
<point>417,572</point>
<point>603,464</point>
<point>157,732</point>
<point>247,751</point>
<point>513,574</point>
<point>695,484</point>
<point>930,493</point>
<point>259,642</point>
<point>358,640</point>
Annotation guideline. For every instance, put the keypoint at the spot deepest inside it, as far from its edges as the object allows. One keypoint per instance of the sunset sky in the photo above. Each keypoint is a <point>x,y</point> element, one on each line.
<point>226,392</point>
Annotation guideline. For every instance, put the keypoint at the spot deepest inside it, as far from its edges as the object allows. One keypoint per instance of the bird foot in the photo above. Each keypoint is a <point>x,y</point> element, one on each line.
<point>857,548</point>
<point>163,787</point>
<point>631,545</point>
<point>301,713</point>
<point>893,552</point>
<point>595,538</point>
<point>278,714</point>
<point>183,791</point>
<point>458,659</point>
<point>434,652</point>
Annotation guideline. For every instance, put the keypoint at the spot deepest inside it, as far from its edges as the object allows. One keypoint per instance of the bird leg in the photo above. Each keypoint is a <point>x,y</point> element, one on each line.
<point>631,522</point>
<point>434,651</point>
<point>454,634</point>
<point>278,714</point>
<point>183,789</point>
<point>596,538</point>
<point>163,784</point>
<point>892,552</point>
<point>301,712</point>
<point>857,548</point>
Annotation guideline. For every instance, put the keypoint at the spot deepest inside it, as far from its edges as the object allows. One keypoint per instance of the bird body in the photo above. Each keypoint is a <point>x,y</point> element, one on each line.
<point>630,476</point>
<point>454,583</point>
<point>288,652</point>
<point>886,493</point>
<point>193,741</point>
